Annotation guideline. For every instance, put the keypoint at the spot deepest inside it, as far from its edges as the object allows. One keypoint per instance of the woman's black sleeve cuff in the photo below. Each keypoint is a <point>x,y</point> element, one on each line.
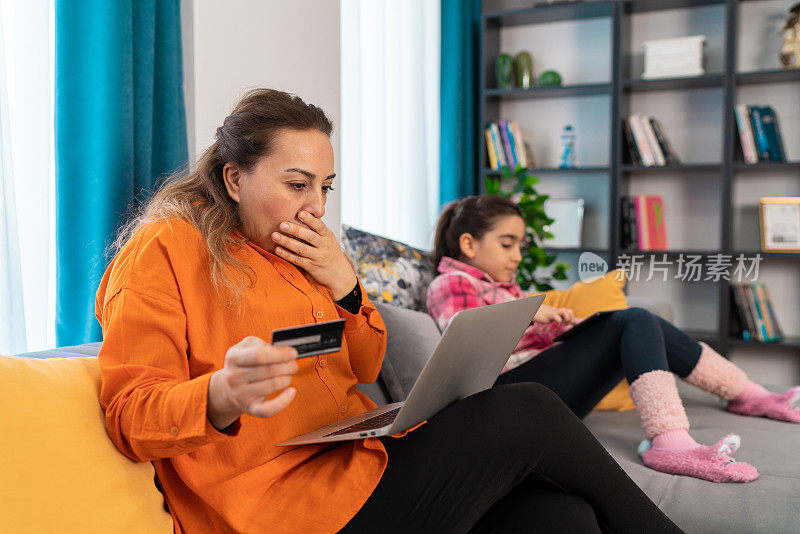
<point>352,301</point>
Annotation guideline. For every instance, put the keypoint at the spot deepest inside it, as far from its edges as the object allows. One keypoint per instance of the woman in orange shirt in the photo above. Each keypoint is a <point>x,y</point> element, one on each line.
<point>235,248</point>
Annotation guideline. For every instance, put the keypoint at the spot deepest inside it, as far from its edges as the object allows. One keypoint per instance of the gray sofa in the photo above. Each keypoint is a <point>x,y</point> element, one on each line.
<point>765,505</point>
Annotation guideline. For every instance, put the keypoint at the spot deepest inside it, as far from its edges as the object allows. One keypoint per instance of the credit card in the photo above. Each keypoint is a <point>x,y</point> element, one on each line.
<point>311,339</point>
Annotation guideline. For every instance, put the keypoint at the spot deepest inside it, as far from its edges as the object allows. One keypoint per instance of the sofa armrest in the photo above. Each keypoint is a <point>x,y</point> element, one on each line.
<point>88,350</point>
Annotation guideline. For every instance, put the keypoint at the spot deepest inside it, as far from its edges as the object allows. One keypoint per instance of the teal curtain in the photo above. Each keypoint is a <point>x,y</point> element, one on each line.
<point>120,126</point>
<point>459,99</point>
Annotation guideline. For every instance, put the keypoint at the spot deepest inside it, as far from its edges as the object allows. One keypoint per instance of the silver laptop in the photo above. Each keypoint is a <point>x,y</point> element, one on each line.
<point>471,353</point>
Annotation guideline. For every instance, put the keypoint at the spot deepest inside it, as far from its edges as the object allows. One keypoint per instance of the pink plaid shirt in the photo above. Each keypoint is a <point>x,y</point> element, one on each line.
<point>460,287</point>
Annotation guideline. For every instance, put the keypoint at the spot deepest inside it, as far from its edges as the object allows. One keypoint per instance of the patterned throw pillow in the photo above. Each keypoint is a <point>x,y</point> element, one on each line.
<point>392,272</point>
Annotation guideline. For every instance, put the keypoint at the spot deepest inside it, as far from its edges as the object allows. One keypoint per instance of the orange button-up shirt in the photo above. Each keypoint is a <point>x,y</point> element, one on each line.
<point>166,330</point>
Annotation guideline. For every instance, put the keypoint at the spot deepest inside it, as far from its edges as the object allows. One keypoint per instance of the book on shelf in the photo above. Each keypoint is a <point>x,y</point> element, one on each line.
<point>640,141</point>
<point>625,238</point>
<point>642,242</point>
<point>645,142</point>
<point>627,213</point>
<point>762,145</point>
<point>497,145</point>
<point>505,145</point>
<point>643,223</point>
<point>667,150</point>
<point>629,153</point>
<point>763,317</point>
<point>508,143</point>
<point>520,148</point>
<point>759,136</point>
<point>747,144</point>
<point>772,315</point>
<point>633,228</point>
<point>769,120</point>
<point>757,321</point>
<point>652,142</point>
<point>747,299</point>
<point>754,314</point>
<point>743,324</point>
<point>656,230</point>
<point>491,150</point>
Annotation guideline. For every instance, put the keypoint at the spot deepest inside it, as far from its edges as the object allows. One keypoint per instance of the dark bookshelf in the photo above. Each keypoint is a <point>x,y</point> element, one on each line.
<point>766,165</point>
<point>622,85</point>
<point>689,167</point>
<point>644,6</point>
<point>672,84</point>
<point>563,91</point>
<point>556,170</point>
<point>768,76</point>
<point>792,343</point>
<point>543,14</point>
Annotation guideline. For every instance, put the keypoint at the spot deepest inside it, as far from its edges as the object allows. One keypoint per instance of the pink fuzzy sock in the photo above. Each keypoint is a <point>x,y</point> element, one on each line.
<point>673,450</point>
<point>717,375</point>
<point>757,401</point>
<point>751,391</point>
<point>675,439</point>
<point>655,395</point>
<point>712,463</point>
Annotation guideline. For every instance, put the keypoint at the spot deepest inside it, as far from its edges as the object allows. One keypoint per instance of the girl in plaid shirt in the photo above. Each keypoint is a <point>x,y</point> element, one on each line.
<point>477,251</point>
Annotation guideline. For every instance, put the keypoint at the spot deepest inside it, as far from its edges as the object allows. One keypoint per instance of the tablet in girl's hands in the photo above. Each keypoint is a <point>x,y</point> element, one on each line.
<point>311,339</point>
<point>583,325</point>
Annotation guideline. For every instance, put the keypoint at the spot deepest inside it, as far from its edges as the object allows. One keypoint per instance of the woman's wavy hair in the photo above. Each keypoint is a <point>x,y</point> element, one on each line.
<point>475,215</point>
<point>198,195</point>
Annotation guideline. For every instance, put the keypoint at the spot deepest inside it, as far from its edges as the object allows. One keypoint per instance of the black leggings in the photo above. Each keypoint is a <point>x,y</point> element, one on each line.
<point>583,369</point>
<point>509,459</point>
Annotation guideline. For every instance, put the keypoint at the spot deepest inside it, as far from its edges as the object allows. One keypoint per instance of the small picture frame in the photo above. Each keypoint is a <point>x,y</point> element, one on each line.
<point>780,224</point>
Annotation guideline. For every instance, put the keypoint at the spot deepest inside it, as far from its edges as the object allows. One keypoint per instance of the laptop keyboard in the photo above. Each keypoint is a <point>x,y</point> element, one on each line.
<point>369,424</point>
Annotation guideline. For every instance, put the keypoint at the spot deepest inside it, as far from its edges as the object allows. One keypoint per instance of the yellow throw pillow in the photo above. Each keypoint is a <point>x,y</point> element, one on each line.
<point>59,471</point>
<point>586,298</point>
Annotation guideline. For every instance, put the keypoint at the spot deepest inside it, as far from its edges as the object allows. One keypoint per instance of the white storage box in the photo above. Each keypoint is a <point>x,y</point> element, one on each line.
<point>672,58</point>
<point>567,227</point>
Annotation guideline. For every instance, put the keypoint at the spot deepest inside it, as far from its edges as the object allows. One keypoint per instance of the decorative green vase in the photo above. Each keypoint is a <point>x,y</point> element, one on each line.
<point>550,78</point>
<point>504,71</point>
<point>523,66</point>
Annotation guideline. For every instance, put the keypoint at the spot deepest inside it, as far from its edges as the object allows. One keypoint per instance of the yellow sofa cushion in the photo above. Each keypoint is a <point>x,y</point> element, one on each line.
<point>586,298</point>
<point>59,471</point>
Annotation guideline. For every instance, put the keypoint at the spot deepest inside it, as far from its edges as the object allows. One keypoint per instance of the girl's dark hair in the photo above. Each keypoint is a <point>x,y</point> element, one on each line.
<point>474,215</point>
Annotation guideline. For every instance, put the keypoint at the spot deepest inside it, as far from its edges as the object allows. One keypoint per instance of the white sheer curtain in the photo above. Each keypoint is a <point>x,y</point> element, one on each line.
<point>12,314</point>
<point>27,280</point>
<point>390,117</point>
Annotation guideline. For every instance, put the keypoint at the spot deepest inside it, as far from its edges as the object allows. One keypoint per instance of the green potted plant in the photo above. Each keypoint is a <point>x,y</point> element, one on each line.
<point>532,205</point>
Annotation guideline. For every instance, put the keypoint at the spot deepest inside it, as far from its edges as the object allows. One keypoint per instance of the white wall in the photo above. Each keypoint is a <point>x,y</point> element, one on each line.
<point>236,45</point>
